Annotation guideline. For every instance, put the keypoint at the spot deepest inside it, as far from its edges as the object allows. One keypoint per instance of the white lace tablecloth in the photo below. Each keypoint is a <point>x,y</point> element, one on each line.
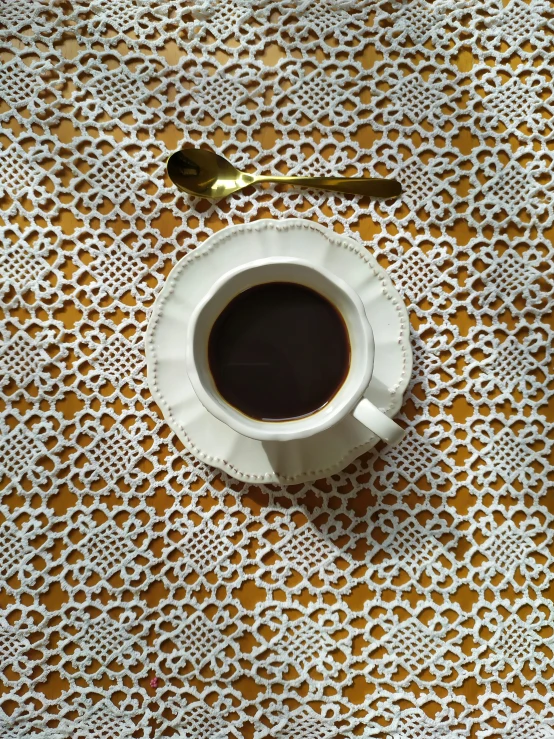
<point>411,595</point>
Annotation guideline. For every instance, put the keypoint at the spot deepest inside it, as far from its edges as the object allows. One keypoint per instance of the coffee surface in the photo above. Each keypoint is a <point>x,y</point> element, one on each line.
<point>279,351</point>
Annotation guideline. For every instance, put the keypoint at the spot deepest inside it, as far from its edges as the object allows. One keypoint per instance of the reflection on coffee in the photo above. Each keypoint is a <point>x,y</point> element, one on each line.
<point>279,351</point>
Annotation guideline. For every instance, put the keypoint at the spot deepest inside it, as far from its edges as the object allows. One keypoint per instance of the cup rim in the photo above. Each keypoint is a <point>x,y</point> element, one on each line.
<point>277,430</point>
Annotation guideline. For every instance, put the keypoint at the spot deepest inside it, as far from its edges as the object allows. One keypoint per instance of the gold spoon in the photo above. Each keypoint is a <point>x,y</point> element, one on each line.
<point>209,175</point>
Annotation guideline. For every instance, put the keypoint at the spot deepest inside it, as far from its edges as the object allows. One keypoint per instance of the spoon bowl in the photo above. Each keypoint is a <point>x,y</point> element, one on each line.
<point>205,174</point>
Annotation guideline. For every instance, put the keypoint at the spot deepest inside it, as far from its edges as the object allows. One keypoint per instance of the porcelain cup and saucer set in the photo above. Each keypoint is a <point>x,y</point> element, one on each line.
<point>316,445</point>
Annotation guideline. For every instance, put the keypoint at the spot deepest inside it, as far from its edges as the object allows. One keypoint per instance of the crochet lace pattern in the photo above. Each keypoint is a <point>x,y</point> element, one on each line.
<point>145,594</point>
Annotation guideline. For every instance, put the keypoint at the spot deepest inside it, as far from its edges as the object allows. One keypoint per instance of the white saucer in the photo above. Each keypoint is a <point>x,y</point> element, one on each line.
<point>211,440</point>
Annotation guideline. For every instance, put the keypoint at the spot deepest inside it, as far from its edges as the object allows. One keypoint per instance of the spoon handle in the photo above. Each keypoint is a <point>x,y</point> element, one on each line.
<point>376,187</point>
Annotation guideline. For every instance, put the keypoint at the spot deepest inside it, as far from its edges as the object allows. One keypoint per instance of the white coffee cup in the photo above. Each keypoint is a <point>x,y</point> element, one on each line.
<point>348,399</point>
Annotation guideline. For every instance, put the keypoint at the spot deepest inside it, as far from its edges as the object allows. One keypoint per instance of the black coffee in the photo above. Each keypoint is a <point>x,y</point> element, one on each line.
<point>279,351</point>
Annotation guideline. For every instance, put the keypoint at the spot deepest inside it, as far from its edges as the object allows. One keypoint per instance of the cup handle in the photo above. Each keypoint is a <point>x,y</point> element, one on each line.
<point>378,422</point>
